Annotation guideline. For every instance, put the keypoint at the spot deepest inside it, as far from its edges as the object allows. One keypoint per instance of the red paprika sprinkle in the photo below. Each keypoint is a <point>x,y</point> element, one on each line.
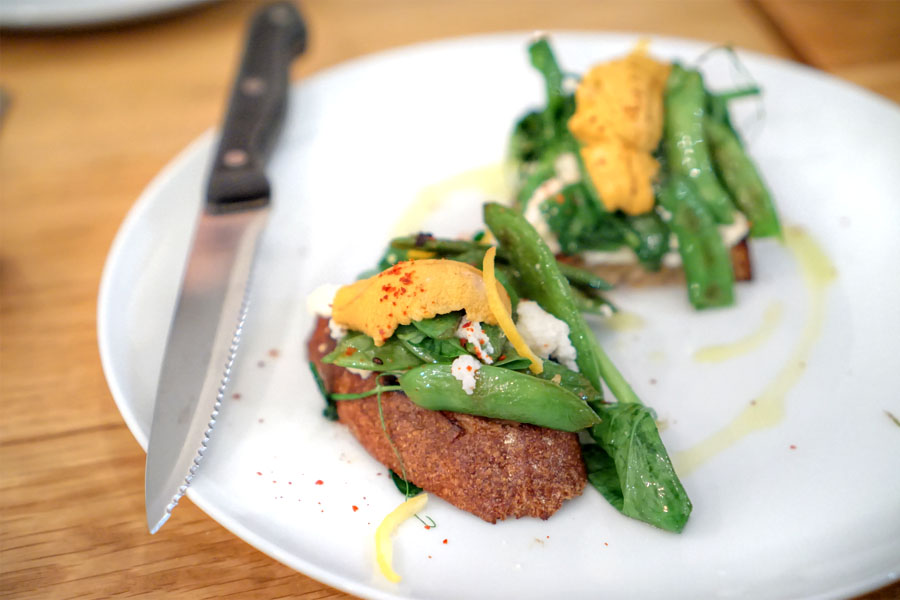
<point>319,482</point>
<point>445,541</point>
<point>259,473</point>
<point>355,508</point>
<point>350,351</point>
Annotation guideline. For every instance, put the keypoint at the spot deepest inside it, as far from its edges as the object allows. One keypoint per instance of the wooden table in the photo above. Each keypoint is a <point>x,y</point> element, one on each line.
<point>92,116</point>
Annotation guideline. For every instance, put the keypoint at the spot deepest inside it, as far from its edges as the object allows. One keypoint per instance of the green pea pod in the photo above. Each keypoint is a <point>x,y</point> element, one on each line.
<point>742,179</point>
<point>706,261</point>
<point>638,455</point>
<point>686,151</point>
<point>592,305</point>
<point>582,278</point>
<point>637,476</point>
<point>544,61</point>
<point>572,381</point>
<point>501,394</point>
<point>542,281</point>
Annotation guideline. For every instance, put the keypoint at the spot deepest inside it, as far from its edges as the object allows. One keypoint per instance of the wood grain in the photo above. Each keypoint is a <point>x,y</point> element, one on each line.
<point>94,115</point>
<point>858,41</point>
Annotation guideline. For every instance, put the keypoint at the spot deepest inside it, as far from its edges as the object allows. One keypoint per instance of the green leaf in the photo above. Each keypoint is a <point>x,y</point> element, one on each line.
<point>652,236</point>
<point>406,488</point>
<point>358,351</point>
<point>441,327</point>
<point>650,488</point>
<point>330,410</point>
<point>601,473</point>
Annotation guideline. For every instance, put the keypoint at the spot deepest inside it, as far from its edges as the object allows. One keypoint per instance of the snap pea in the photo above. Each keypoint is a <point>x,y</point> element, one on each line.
<point>706,261</point>
<point>582,278</point>
<point>544,61</point>
<point>572,381</point>
<point>500,394</point>
<point>543,282</point>
<point>685,144</point>
<point>638,470</point>
<point>742,179</point>
<point>592,305</point>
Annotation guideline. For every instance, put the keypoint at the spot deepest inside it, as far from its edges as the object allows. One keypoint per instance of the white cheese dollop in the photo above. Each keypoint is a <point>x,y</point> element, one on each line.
<point>472,332</point>
<point>567,173</point>
<point>546,335</point>
<point>464,369</point>
<point>319,302</point>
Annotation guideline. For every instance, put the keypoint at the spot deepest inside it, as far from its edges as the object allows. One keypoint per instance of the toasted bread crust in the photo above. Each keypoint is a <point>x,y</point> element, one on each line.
<point>493,469</point>
<point>634,275</point>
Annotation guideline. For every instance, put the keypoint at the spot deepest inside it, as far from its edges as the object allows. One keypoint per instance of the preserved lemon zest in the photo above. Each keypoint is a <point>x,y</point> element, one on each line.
<point>384,550</point>
<point>504,320</point>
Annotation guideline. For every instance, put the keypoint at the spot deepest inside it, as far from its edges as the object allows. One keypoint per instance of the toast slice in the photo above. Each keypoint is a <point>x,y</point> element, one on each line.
<point>491,468</point>
<point>633,275</point>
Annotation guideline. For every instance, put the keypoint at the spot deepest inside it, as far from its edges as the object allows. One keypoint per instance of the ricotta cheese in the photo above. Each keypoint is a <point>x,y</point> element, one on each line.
<point>472,332</point>
<point>464,369</point>
<point>545,334</point>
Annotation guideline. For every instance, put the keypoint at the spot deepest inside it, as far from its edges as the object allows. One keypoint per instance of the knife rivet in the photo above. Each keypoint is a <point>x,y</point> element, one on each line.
<point>280,15</point>
<point>253,86</point>
<point>235,158</point>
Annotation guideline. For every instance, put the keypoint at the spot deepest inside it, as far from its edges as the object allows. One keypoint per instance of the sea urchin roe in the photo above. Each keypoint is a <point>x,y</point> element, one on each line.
<point>464,369</point>
<point>413,291</point>
<point>384,551</point>
<point>471,331</point>
<point>502,316</point>
<point>619,120</point>
<point>546,334</point>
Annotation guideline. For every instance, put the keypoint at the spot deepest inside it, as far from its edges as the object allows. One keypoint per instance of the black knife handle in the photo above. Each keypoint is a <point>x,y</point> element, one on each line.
<point>277,34</point>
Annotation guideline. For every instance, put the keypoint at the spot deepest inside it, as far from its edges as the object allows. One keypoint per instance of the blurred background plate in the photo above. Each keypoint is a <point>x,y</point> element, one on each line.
<point>41,14</point>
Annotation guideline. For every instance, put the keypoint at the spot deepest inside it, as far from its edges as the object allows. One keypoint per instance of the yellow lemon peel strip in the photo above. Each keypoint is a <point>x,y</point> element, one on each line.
<point>504,319</point>
<point>384,550</point>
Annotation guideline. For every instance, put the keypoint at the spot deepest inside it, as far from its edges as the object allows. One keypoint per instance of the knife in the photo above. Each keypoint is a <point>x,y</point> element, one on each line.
<point>212,306</point>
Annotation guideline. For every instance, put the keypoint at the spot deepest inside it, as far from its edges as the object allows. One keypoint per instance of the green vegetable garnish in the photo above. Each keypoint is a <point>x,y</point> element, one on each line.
<point>627,431</point>
<point>500,394</point>
<point>687,152</point>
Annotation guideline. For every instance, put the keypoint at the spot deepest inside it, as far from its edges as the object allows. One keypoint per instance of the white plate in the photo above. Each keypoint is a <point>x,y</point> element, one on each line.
<point>809,507</point>
<point>27,14</point>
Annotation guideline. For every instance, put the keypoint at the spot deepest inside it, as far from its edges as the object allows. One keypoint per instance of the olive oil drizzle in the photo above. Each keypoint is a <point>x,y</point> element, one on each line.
<point>722,352</point>
<point>768,408</point>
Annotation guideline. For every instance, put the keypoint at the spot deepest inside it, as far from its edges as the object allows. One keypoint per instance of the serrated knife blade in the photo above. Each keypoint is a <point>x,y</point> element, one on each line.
<point>212,305</point>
